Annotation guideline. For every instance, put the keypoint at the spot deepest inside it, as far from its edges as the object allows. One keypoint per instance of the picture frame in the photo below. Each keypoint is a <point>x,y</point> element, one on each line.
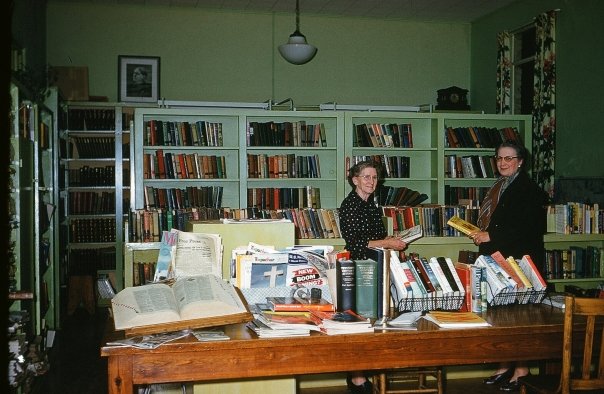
<point>138,78</point>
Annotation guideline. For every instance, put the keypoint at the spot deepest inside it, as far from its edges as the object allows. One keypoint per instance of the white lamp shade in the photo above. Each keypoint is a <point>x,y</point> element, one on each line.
<point>297,50</point>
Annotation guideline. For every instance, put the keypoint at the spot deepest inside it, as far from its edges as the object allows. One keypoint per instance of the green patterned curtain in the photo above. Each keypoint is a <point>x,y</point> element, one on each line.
<point>544,102</point>
<point>504,72</point>
<point>544,97</point>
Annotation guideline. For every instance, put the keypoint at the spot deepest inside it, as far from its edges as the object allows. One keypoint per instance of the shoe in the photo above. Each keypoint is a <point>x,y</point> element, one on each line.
<point>499,378</point>
<point>510,386</point>
<point>365,388</point>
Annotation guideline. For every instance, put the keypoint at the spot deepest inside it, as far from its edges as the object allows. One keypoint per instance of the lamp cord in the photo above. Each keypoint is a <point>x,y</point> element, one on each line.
<point>298,15</point>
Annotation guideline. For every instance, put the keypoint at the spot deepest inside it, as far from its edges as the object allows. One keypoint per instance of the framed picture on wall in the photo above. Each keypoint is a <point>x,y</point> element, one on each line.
<point>138,79</point>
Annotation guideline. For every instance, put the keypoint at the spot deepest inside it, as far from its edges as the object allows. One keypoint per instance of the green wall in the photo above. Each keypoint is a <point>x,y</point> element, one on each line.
<point>580,81</point>
<point>228,56</point>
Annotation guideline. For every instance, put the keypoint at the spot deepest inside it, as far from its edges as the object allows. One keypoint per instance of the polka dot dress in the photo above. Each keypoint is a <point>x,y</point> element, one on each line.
<point>360,222</point>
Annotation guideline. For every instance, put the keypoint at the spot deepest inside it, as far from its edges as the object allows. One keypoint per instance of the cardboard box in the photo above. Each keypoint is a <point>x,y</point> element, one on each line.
<point>71,81</point>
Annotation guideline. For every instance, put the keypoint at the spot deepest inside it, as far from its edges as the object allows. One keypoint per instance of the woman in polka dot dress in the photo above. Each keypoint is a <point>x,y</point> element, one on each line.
<point>361,226</point>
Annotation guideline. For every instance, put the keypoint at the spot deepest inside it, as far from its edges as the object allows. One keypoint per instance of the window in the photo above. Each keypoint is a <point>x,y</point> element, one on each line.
<point>523,69</point>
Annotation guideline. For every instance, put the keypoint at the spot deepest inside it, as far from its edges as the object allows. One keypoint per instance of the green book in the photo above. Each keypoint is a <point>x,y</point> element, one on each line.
<point>366,277</point>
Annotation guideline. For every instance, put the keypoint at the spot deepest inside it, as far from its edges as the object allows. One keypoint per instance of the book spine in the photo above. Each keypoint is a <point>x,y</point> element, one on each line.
<point>345,285</point>
<point>366,288</point>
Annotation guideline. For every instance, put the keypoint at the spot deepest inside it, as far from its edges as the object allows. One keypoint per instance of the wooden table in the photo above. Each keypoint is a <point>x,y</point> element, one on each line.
<point>518,332</point>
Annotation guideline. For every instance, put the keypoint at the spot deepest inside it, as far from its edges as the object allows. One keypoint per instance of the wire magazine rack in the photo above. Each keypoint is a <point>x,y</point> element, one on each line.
<point>514,296</point>
<point>429,302</point>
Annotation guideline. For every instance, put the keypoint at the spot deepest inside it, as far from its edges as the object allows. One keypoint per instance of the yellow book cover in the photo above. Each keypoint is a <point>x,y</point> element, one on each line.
<point>456,319</point>
<point>462,225</point>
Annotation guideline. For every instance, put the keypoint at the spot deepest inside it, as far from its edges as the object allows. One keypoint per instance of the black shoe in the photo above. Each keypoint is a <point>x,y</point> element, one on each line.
<point>510,386</point>
<point>365,388</point>
<point>499,378</point>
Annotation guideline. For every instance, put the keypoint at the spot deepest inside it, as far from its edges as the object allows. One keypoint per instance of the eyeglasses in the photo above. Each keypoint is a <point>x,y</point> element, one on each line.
<point>368,177</point>
<point>507,159</point>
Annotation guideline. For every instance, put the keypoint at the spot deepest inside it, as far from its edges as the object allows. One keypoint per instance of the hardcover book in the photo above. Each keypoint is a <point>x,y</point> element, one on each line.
<point>345,285</point>
<point>366,288</point>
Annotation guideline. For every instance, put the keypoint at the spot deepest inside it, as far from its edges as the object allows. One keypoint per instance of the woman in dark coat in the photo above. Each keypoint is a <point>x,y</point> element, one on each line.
<point>512,220</point>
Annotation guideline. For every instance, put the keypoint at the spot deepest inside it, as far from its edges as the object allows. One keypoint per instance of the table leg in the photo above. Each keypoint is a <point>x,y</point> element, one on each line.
<point>119,375</point>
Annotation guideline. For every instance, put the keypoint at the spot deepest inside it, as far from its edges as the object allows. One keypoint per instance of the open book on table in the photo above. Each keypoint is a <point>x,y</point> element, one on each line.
<point>187,303</point>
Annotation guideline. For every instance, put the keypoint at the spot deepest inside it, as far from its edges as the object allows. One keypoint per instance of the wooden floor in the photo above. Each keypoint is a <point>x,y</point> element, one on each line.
<point>76,366</point>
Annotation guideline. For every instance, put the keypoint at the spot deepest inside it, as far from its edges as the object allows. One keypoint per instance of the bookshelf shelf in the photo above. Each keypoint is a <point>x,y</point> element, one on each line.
<point>427,156</point>
<point>95,161</point>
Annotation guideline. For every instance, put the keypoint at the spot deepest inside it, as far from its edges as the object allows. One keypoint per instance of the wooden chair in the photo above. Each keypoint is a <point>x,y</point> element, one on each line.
<point>409,381</point>
<point>588,375</point>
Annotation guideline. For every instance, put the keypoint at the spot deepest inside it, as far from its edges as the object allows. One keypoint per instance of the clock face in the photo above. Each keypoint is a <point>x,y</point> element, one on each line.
<point>454,98</point>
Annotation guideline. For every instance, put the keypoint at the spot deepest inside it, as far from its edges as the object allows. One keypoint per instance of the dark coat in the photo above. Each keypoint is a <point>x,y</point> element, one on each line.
<point>518,223</point>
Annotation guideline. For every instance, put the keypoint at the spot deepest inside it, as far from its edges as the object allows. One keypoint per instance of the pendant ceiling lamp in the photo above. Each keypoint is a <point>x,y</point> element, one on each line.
<point>297,50</point>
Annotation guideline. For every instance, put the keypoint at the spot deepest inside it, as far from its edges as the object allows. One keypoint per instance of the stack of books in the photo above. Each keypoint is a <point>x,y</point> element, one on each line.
<point>282,324</point>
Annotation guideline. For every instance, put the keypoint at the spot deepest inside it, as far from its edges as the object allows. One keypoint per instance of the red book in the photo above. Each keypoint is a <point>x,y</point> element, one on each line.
<point>184,172</point>
<point>296,304</point>
<point>465,276</point>
<point>160,163</point>
<point>419,267</point>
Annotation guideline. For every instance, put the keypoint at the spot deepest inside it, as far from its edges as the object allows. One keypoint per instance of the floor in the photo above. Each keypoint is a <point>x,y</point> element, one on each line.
<point>77,368</point>
<point>75,364</point>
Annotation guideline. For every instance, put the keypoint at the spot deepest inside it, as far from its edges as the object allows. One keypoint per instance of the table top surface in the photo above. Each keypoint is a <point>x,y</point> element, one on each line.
<point>506,320</point>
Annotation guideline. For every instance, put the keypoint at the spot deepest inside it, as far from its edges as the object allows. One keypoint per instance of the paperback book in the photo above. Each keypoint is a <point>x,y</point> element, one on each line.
<point>456,319</point>
<point>462,225</point>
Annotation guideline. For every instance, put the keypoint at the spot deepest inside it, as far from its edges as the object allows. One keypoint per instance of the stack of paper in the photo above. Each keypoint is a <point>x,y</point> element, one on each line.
<point>272,325</point>
<point>347,322</point>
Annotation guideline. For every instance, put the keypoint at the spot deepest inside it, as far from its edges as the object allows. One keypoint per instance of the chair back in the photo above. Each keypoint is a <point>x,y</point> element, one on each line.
<point>589,373</point>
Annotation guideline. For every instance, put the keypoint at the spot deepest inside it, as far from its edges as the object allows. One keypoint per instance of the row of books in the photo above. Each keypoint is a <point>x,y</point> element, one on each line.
<point>95,176</point>
<point>574,262</point>
<point>383,135</point>
<point>468,195</point>
<point>147,225</point>
<point>176,133</point>
<point>92,230</point>
<point>169,165</point>
<point>91,119</point>
<point>433,219</point>
<point>297,133</point>
<point>311,223</point>
<point>284,197</point>
<point>398,196</point>
<point>420,283</point>
<point>89,203</point>
<point>143,272</point>
<point>90,260</point>
<point>283,166</point>
<point>576,218</point>
<point>511,280</point>
<point>180,198</point>
<point>470,166</point>
<point>479,137</point>
<point>96,147</point>
<point>392,166</point>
